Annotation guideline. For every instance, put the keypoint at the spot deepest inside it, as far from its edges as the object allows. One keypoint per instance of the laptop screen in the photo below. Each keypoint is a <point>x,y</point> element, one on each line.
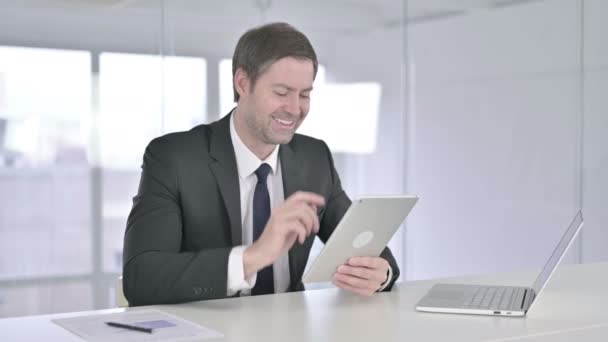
<point>558,253</point>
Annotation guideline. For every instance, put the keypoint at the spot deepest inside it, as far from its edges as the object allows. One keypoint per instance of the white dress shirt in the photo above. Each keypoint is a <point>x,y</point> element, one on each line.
<point>247,163</point>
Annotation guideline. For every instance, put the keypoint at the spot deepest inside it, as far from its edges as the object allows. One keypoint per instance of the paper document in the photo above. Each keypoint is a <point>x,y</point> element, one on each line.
<point>164,327</point>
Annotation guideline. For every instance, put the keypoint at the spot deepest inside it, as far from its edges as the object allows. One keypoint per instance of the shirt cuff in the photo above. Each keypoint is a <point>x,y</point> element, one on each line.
<point>236,274</point>
<point>388,279</point>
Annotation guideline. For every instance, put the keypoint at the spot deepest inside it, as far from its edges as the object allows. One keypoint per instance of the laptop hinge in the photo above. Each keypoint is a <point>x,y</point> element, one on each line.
<point>529,297</point>
<point>523,299</point>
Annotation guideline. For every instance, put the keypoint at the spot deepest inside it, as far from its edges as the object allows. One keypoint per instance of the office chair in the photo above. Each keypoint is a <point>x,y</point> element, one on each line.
<point>121,300</point>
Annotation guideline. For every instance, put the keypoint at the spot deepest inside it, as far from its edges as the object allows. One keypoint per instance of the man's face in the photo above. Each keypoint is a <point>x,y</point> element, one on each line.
<point>279,100</point>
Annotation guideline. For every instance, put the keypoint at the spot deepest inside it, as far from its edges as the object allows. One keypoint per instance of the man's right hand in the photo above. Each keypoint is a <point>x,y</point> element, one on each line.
<point>295,219</point>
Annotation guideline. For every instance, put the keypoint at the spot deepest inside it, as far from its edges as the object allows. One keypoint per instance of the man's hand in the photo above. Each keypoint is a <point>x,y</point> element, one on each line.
<point>362,275</point>
<point>295,219</point>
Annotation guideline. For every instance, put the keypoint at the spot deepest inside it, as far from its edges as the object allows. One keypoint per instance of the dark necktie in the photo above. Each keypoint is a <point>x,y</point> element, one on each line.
<point>261,212</point>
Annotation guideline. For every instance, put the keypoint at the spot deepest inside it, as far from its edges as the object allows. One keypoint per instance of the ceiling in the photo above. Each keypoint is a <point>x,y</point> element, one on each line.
<point>195,27</point>
<point>372,12</point>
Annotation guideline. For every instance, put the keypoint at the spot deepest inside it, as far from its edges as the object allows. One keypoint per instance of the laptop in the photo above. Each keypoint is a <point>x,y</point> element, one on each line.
<point>364,230</point>
<point>497,300</point>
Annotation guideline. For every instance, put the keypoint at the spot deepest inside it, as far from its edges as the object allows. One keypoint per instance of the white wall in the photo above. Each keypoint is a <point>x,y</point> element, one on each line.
<point>494,147</point>
<point>595,200</point>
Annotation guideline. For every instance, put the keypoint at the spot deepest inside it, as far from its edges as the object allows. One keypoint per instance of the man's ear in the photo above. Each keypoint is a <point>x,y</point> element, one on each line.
<point>241,82</point>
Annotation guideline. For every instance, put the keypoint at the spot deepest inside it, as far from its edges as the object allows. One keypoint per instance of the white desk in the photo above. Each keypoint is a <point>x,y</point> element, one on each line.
<point>573,307</point>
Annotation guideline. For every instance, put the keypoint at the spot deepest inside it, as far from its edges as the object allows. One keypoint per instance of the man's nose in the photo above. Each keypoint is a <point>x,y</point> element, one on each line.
<point>293,105</point>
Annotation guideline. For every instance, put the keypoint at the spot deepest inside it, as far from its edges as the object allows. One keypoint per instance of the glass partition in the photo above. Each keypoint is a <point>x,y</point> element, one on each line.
<point>496,147</point>
<point>85,85</point>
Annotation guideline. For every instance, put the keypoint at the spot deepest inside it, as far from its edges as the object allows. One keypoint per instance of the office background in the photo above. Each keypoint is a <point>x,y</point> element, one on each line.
<point>492,111</point>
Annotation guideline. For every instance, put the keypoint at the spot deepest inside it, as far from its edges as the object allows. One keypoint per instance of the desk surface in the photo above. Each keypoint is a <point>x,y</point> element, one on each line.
<point>572,307</point>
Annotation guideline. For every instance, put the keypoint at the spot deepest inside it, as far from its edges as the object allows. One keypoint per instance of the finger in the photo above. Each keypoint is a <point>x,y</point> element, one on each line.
<point>303,219</point>
<point>299,215</point>
<point>290,232</point>
<point>291,239</point>
<point>369,262</point>
<point>317,224</point>
<point>311,213</point>
<point>356,282</point>
<point>309,198</point>
<point>345,286</point>
<point>363,272</point>
<point>307,216</point>
<point>299,229</point>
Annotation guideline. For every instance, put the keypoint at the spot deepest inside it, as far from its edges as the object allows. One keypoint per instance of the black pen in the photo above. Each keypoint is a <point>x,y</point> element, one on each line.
<point>130,327</point>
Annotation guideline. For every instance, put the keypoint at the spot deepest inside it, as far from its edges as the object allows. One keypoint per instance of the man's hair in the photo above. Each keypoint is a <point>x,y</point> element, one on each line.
<point>261,46</point>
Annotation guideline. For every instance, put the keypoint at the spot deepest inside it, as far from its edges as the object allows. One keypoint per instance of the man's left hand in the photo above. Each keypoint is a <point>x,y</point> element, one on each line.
<point>362,275</point>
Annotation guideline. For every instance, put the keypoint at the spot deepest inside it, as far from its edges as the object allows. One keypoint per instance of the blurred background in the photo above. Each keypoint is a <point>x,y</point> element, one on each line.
<point>492,111</point>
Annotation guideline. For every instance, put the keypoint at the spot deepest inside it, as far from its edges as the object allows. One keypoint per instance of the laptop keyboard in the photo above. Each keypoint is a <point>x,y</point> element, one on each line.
<point>493,298</point>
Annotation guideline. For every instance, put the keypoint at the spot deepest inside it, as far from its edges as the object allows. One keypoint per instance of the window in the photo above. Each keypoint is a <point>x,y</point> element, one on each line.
<point>53,127</point>
<point>145,96</point>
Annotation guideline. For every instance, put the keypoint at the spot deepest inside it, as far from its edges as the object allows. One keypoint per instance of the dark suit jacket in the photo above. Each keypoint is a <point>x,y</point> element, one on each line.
<point>186,215</point>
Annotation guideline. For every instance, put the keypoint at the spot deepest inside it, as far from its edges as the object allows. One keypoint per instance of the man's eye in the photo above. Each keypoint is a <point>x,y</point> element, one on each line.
<point>280,94</point>
<point>305,96</point>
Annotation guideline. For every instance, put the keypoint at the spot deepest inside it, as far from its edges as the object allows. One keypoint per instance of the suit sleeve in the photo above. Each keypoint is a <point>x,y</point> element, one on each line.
<point>155,271</point>
<point>337,202</point>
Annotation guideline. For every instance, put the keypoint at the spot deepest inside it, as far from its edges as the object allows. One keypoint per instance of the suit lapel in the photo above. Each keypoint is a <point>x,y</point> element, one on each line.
<point>224,168</point>
<point>292,182</point>
<point>290,167</point>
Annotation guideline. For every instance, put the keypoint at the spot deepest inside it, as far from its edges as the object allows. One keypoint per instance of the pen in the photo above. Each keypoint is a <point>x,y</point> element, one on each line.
<point>129,327</point>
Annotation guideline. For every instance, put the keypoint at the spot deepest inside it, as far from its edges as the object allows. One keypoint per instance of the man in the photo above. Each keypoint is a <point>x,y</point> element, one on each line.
<point>201,226</point>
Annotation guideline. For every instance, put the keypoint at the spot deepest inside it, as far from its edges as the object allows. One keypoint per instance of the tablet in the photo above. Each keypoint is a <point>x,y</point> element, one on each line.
<point>366,228</point>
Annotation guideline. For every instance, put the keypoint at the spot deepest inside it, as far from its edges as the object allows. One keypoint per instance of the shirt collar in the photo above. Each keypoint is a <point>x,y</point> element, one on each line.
<point>246,161</point>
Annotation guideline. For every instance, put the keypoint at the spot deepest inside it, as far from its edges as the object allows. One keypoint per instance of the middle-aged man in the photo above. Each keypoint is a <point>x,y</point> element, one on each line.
<point>202,227</point>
